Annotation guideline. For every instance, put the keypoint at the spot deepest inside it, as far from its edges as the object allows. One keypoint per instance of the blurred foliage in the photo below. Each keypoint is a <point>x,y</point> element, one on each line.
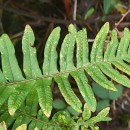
<point>106,95</point>
<point>102,104</point>
<point>108,5</point>
<point>89,13</point>
<point>59,104</point>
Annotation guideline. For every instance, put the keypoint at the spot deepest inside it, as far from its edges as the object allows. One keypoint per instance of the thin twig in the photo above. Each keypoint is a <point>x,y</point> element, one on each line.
<point>122,18</point>
<point>75,10</point>
<point>15,36</point>
<point>9,84</point>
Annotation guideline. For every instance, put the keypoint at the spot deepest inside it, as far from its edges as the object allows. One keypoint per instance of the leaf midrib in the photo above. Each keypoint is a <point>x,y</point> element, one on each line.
<point>9,84</point>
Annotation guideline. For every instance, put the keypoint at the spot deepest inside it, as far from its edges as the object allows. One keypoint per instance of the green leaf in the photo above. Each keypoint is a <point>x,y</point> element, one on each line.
<point>30,64</point>
<point>82,48</point>
<point>85,89</point>
<point>32,103</point>
<point>61,117</point>
<point>15,101</point>
<point>67,50</point>
<point>100,78</point>
<point>20,121</point>
<point>38,124</point>
<point>115,95</point>
<point>110,52</point>
<point>86,112</point>
<point>114,74</point>
<point>79,76</point>
<point>108,5</point>
<point>10,66</point>
<point>3,126</point>
<point>32,125</point>
<point>5,116</point>
<point>45,95</point>
<point>102,104</point>
<point>11,70</point>
<point>50,54</point>
<point>124,44</point>
<point>68,93</point>
<point>72,111</point>
<point>121,65</point>
<point>100,117</point>
<point>32,70</point>
<point>22,127</point>
<point>100,91</point>
<point>97,56</point>
<point>49,67</point>
<point>103,113</point>
<point>5,92</point>
<point>94,127</point>
<point>59,104</point>
<point>96,53</point>
<point>89,13</point>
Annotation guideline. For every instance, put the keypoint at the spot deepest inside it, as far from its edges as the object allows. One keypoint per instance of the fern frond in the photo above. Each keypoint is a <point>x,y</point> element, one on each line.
<point>30,64</point>
<point>10,66</point>
<point>60,120</point>
<point>34,89</point>
<point>68,93</point>
<point>45,96</point>
<point>32,103</point>
<point>32,70</point>
<point>15,101</point>
<point>50,53</point>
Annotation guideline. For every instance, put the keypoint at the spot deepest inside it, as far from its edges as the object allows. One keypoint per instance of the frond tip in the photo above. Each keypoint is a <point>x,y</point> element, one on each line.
<point>22,127</point>
<point>12,111</point>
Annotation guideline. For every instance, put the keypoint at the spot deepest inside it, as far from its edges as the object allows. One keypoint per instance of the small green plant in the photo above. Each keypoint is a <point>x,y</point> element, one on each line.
<point>59,104</point>
<point>26,99</point>
<point>106,95</point>
<point>108,5</point>
<point>89,13</point>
